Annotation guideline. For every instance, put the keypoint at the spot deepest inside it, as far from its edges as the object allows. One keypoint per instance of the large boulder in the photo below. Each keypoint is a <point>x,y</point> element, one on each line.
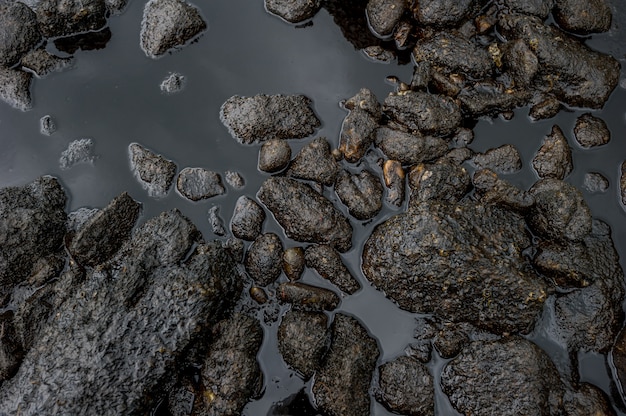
<point>19,32</point>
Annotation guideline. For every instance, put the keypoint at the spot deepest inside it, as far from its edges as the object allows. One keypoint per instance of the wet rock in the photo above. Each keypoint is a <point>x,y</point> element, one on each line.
<point>19,32</point>
<point>489,98</point>
<point>248,217</point>
<point>217,225</point>
<point>328,264</point>
<point>235,248</point>
<point>406,387</point>
<point>362,193</point>
<point>457,156</point>
<point>115,7</point>
<point>393,175</point>
<point>293,262</point>
<point>503,159</point>
<point>570,70</point>
<point>511,376</point>
<point>169,24</point>
<point>304,214</point>
<point>263,117</point>
<point>67,17</point>
<point>560,211</point>
<point>427,113</point>
<point>42,63</point>
<point>104,233</point>
<point>77,219</point>
<point>258,295</point>
<point>583,18</point>
<point>591,131</point>
<point>315,162</point>
<point>462,262</point>
<point>307,297</point>
<point>595,182</point>
<point>520,62</point>
<point>554,157</point>
<point>444,84</point>
<point>493,190</point>
<point>342,384</point>
<point>85,41</point>
<point>380,54</point>
<point>11,350</point>
<point>547,108</point>
<point>274,155</point>
<point>540,8</point>
<point>293,11</point>
<point>622,183</point>
<point>15,88</point>
<point>383,15</point>
<point>587,400</point>
<point>357,130</point>
<point>198,183</point>
<point>264,259</point>
<point>173,83</point>
<point>154,172</point>
<point>234,179</point>
<point>302,340</point>
<point>77,152</point>
<point>407,148</point>
<point>231,375</point>
<point>440,181</point>
<point>351,18</point>
<point>47,126</point>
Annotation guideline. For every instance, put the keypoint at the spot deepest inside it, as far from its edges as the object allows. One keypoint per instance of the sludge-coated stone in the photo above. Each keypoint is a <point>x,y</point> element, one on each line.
<point>302,340</point>
<point>406,387</point>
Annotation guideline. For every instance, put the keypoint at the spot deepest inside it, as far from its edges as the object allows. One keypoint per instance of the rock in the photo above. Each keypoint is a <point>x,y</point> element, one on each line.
<point>169,24</point>
<point>511,376</point>
<point>595,182</point>
<point>328,264</point>
<point>234,179</point>
<point>59,18</point>
<point>307,297</point>
<point>554,157</point>
<point>154,172</point>
<point>47,126</point>
<point>274,155</point>
<point>258,295</point>
<point>489,98</point>
<point>15,88</point>
<point>622,184</point>
<point>587,400</point>
<point>264,259</point>
<point>591,131</point>
<point>503,159</point>
<point>77,152</point>
<point>293,263</point>
<point>462,262</point>
<point>19,32</point>
<point>539,8</point>
<point>450,339</point>
<point>42,63</point>
<point>357,130</point>
<point>115,7</point>
<point>293,11</point>
<point>409,149</point>
<point>493,190</point>
<point>547,108</point>
<point>445,84</point>
<point>103,234</point>
<point>263,117</point>
<point>235,248</point>
<point>441,181</point>
<point>379,54</point>
<point>383,15</point>
<point>341,385</point>
<point>84,41</point>
<point>198,183</point>
<point>173,83</point>
<point>231,375</point>
<point>520,62</point>
<point>560,211</point>
<point>393,175</point>
<point>441,12</point>
<point>315,162</point>
<point>77,219</point>
<point>302,340</point>
<point>427,113</point>
<point>583,18</point>
<point>248,217</point>
<point>11,350</point>
<point>457,156</point>
<point>304,214</point>
<point>217,225</point>
<point>406,387</point>
<point>362,193</point>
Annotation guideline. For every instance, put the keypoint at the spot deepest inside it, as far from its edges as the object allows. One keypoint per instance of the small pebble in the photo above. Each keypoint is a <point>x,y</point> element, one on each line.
<point>595,182</point>
<point>173,83</point>
<point>234,179</point>
<point>274,155</point>
<point>47,126</point>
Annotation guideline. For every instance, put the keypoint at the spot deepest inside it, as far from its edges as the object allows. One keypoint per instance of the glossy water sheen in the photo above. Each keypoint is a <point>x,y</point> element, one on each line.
<point>113,96</point>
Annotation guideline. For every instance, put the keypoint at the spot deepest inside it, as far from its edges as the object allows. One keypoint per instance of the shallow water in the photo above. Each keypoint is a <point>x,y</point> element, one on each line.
<point>112,96</point>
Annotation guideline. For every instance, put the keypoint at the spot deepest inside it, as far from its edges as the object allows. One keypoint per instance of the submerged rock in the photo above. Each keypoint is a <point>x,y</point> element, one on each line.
<point>47,126</point>
<point>198,183</point>
<point>154,172</point>
<point>406,387</point>
<point>554,157</point>
<point>247,220</point>
<point>42,63</point>
<point>362,193</point>
<point>302,340</point>
<point>315,162</point>
<point>78,151</point>
<point>293,11</point>
<point>591,131</point>
<point>264,259</point>
<point>19,32</point>
<point>68,17</point>
<point>328,264</point>
<point>15,88</point>
<point>427,113</point>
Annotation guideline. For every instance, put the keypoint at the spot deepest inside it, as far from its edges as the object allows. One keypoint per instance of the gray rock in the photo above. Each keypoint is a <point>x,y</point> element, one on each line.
<point>264,259</point>
<point>15,88</point>
<point>583,18</point>
<point>77,152</point>
<point>306,297</point>
<point>11,349</point>
<point>293,11</point>
<point>328,264</point>
<point>440,181</point>
<point>19,32</point>
<point>247,220</point>
<point>263,117</point>
<point>342,384</point>
<point>406,387</point>
<point>554,157</point>
<point>362,193</point>
<point>293,263</point>
<point>503,159</point>
<point>359,126</point>
<point>539,8</point>
<point>302,340</point>
<point>198,183</point>
<point>173,83</point>
<point>234,179</point>
<point>442,12</point>
<point>42,63</point>
<point>591,131</point>
<point>394,175</point>
<point>217,225</point>
<point>47,126</point>
<point>493,190</point>
<point>68,17</point>
<point>383,15</point>
<point>274,155</point>
<point>427,113</point>
<point>154,172</point>
<point>304,214</point>
<point>315,162</point>
<point>169,24</point>
<point>595,182</point>
<point>409,149</point>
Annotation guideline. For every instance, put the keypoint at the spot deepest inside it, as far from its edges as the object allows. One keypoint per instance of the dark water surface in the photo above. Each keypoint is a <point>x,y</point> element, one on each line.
<point>113,96</point>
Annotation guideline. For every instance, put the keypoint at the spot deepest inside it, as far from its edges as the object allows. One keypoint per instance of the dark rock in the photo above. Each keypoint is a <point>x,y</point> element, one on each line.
<point>264,117</point>
<point>546,108</point>
<point>169,24</point>
<point>234,179</point>
<point>539,8</point>
<point>591,131</point>
<point>489,98</point>
<point>383,15</point>
<point>493,190</point>
<point>293,262</point>
<point>293,11</point>
<point>554,157</point>
<point>115,7</point>
<point>406,387</point>
<point>560,211</point>
<point>427,113</point>
<point>11,349</point>
<point>342,384</point>
<point>47,126</point>
<point>440,181</point>
<point>154,172</point>
<point>462,262</point>
<point>180,400</point>
<point>217,225</point>
<point>503,159</point>
<point>583,18</point>
<point>198,183</point>
<point>77,152</point>
<point>587,400</point>
<point>42,63</point>
<point>235,249</point>
<point>258,295</point>
<point>315,162</point>
<point>357,130</point>
<point>103,234</point>
<point>306,297</point>
<point>618,354</point>
<point>457,156</point>
<point>444,84</point>
<point>351,18</point>
<point>304,214</point>
<point>407,148</point>
<point>173,83</point>
<point>511,376</point>
<point>520,62</point>
<point>328,264</point>
<point>380,54</point>
<point>15,88</point>
<point>622,184</point>
<point>463,137</point>
<point>19,32</point>
<point>422,75</point>
<point>451,339</point>
<point>231,375</point>
<point>85,41</point>
<point>264,259</point>
<point>67,17</point>
<point>248,217</point>
<point>274,155</point>
<point>595,182</point>
<point>362,193</point>
<point>441,12</point>
<point>393,175</point>
<point>302,340</point>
